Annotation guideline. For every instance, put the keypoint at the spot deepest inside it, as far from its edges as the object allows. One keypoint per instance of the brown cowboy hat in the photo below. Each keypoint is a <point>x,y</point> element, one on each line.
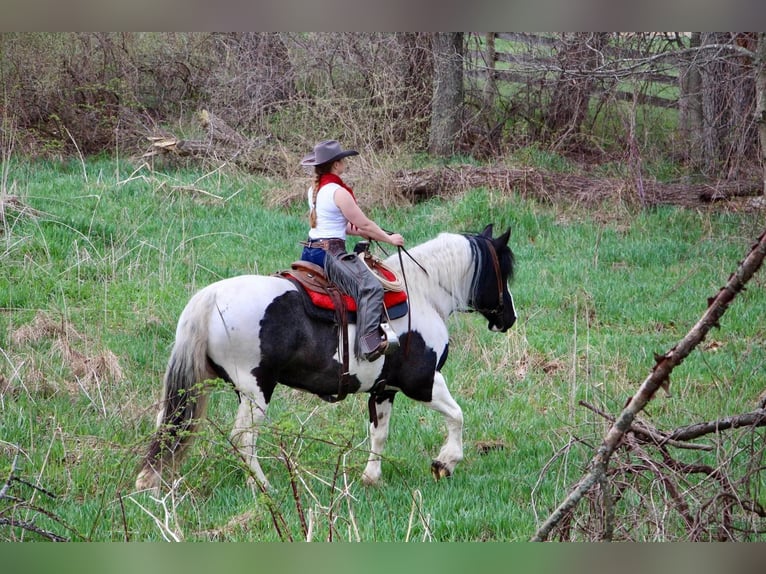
<point>325,152</point>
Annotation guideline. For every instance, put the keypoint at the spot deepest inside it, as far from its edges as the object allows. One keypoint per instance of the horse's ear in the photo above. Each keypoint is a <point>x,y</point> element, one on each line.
<point>487,231</point>
<point>503,239</point>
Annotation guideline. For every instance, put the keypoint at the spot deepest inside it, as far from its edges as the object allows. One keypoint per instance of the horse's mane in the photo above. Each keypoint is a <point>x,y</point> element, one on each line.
<point>449,261</point>
<point>485,277</point>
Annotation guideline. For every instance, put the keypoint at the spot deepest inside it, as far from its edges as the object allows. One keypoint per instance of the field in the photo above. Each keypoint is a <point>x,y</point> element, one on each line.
<point>97,259</point>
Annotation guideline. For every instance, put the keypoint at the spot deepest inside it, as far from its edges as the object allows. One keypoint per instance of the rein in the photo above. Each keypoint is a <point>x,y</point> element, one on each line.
<point>406,286</point>
<point>407,253</point>
<point>407,290</point>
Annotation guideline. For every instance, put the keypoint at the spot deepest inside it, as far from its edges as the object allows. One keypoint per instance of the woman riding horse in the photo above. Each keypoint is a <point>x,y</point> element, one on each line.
<point>335,214</point>
<point>256,332</point>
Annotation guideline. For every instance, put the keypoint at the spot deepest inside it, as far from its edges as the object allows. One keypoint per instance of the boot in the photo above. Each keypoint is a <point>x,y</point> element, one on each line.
<point>383,341</point>
<point>373,345</point>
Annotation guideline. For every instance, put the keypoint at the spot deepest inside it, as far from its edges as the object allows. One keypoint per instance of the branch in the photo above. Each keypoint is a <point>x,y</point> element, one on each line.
<point>625,67</point>
<point>651,435</point>
<point>31,527</point>
<point>754,419</point>
<point>18,503</point>
<point>659,377</point>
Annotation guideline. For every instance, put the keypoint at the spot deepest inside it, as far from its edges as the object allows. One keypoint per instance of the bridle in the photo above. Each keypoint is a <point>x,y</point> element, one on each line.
<point>498,276</point>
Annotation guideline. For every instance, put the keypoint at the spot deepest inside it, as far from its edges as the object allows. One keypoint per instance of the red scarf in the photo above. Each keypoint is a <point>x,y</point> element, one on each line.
<point>326,178</point>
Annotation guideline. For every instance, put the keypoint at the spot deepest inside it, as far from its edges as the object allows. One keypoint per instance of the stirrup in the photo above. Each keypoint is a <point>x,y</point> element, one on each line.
<point>391,338</point>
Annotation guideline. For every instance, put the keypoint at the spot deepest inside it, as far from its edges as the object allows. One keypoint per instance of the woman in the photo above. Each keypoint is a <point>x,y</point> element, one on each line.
<point>335,214</point>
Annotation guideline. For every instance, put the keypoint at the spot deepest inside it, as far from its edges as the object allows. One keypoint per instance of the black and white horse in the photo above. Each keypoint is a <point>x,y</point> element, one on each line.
<point>254,332</point>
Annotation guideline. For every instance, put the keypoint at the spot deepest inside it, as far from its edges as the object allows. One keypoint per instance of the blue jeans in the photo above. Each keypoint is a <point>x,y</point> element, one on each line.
<point>314,255</point>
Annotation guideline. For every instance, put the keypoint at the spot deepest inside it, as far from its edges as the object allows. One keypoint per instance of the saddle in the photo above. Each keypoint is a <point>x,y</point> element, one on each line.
<point>328,303</point>
<point>323,294</point>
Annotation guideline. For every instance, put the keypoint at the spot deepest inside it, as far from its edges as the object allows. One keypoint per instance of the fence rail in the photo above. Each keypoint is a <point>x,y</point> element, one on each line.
<point>532,64</point>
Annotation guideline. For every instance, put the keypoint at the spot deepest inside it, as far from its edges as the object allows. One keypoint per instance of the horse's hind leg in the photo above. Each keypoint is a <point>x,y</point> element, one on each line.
<point>452,451</point>
<point>250,414</point>
<point>378,437</point>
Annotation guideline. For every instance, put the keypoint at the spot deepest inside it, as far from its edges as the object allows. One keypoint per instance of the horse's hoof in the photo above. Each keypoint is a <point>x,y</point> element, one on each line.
<point>369,481</point>
<point>371,477</point>
<point>148,480</point>
<point>439,470</point>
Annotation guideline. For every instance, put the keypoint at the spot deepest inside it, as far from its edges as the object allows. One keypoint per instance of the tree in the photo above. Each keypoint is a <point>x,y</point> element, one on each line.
<point>690,104</point>
<point>717,103</point>
<point>447,102</point>
<point>760,95</point>
<point>570,97</point>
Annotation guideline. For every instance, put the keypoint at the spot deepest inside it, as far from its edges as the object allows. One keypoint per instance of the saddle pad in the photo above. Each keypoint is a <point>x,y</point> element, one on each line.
<point>323,301</point>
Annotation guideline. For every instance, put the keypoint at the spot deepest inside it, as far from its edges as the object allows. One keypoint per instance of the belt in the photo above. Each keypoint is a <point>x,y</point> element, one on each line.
<point>324,243</point>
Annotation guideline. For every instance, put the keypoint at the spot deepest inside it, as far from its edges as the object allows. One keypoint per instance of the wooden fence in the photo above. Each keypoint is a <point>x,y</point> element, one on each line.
<point>536,63</point>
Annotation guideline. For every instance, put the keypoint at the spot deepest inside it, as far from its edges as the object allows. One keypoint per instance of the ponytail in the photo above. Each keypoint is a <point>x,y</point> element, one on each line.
<point>319,171</point>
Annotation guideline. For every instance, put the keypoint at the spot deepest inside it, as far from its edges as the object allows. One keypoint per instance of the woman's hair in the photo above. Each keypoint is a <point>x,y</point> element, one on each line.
<point>319,171</point>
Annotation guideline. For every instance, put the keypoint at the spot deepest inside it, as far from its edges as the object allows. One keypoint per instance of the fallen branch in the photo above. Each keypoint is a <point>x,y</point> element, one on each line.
<point>651,435</point>
<point>751,419</point>
<point>658,378</point>
<point>223,141</point>
<point>423,184</point>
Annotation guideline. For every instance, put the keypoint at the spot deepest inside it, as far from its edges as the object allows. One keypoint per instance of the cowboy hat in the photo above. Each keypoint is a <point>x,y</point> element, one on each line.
<point>325,152</point>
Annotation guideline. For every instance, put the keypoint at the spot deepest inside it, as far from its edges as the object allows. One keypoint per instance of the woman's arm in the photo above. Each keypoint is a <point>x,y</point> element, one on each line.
<point>359,223</point>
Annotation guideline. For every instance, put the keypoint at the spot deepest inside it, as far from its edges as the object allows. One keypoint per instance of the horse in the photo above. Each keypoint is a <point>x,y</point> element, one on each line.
<point>255,331</point>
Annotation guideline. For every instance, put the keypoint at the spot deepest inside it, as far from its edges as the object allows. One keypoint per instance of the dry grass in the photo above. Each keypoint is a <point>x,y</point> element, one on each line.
<point>86,367</point>
<point>236,525</point>
<point>10,203</point>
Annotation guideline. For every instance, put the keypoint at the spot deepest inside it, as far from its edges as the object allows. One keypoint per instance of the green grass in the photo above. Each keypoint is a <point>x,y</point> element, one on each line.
<point>107,264</point>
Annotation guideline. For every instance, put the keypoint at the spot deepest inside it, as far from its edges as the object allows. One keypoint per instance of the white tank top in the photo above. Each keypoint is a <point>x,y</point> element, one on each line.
<point>330,219</point>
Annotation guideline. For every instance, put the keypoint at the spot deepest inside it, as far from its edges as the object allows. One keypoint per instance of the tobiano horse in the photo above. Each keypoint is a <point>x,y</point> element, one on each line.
<point>256,331</point>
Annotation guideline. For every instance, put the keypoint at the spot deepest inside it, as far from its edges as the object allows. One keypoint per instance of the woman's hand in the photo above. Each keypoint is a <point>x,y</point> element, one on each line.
<point>396,239</point>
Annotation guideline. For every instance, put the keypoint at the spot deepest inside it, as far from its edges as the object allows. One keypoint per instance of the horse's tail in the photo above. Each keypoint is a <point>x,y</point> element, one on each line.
<point>184,401</point>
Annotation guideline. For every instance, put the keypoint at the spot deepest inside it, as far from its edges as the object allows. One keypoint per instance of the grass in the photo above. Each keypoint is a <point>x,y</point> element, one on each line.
<point>92,284</point>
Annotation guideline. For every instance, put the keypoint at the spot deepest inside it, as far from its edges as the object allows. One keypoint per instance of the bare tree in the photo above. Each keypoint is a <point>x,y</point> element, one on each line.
<point>717,103</point>
<point>690,103</point>
<point>447,102</point>
<point>760,106</point>
<point>571,92</point>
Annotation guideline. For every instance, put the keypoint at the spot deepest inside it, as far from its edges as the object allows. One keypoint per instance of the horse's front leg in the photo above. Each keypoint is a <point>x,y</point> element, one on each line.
<point>452,451</point>
<point>378,436</point>
<point>244,435</point>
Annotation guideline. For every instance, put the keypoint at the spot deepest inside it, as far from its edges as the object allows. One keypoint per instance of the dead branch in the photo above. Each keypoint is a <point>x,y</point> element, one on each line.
<point>752,419</point>
<point>423,184</point>
<point>9,504</point>
<point>659,377</point>
<point>223,142</point>
<point>646,433</point>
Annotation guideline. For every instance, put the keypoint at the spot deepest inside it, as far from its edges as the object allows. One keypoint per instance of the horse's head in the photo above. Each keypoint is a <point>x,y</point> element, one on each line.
<point>494,268</point>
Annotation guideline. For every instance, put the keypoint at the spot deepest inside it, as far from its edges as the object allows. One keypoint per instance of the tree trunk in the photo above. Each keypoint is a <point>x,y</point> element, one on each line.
<point>490,88</point>
<point>760,97</point>
<point>727,106</point>
<point>690,104</point>
<point>447,102</point>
